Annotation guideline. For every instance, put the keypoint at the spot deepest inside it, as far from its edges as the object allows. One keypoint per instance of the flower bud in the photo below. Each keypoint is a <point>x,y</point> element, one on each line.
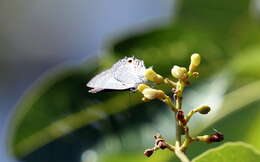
<point>151,94</point>
<point>179,72</point>
<point>216,137</point>
<point>180,117</point>
<point>162,145</point>
<point>148,152</point>
<point>160,142</point>
<point>195,62</point>
<point>195,59</point>
<point>151,75</point>
<point>204,138</point>
<point>203,109</point>
<point>141,87</point>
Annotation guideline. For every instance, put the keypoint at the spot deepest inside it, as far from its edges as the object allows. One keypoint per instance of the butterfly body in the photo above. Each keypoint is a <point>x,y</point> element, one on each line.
<point>125,74</point>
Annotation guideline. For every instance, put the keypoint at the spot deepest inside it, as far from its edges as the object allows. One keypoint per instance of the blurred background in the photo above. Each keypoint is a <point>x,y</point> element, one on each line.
<point>50,49</point>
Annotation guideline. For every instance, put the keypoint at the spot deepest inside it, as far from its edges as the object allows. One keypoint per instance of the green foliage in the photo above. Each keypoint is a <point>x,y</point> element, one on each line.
<point>237,151</point>
<point>60,106</point>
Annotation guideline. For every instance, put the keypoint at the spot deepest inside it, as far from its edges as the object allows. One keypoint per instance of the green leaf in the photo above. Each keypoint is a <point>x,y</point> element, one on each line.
<point>232,151</point>
<point>254,130</point>
<point>247,63</point>
<point>58,105</point>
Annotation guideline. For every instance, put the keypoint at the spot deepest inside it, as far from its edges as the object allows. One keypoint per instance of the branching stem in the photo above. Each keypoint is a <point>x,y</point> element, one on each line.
<point>181,121</point>
<point>179,129</point>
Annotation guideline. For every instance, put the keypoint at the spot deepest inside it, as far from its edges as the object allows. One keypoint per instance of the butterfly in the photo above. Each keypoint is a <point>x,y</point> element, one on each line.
<point>126,74</point>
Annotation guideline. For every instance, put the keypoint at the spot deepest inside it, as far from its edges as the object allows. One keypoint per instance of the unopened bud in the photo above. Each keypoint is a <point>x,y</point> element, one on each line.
<point>203,109</point>
<point>179,72</point>
<point>148,152</point>
<point>141,87</point>
<point>195,62</point>
<point>180,117</point>
<point>216,137</point>
<point>204,138</point>
<point>160,142</point>
<point>162,145</point>
<point>151,94</point>
<point>195,59</point>
<point>151,75</point>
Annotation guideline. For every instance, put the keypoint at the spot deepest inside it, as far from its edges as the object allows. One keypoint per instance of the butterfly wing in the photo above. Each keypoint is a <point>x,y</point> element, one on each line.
<point>105,80</point>
<point>129,73</point>
<point>125,74</point>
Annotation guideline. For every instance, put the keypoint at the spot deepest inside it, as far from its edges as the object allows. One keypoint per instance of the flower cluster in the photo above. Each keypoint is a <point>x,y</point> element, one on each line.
<point>183,137</point>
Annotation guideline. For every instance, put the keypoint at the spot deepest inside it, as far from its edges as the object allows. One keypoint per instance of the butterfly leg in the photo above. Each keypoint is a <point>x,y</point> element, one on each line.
<point>95,90</point>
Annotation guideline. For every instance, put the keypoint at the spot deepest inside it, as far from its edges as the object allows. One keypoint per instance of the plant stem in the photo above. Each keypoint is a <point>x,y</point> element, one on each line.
<point>178,152</point>
<point>168,101</point>
<point>169,82</point>
<point>181,156</point>
<point>178,107</point>
<point>178,135</point>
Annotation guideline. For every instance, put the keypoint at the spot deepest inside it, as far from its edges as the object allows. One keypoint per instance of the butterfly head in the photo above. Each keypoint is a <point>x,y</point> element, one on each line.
<point>134,62</point>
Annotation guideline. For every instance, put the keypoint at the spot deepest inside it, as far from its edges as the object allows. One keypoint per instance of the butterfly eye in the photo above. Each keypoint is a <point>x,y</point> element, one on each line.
<point>130,61</point>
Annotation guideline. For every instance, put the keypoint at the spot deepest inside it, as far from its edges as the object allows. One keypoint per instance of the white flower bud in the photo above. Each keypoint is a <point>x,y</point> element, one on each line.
<point>151,93</point>
<point>195,62</point>
<point>179,72</point>
<point>195,59</point>
<point>151,75</point>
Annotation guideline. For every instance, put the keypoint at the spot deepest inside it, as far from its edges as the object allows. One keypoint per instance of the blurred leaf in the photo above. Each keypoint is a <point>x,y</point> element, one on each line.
<point>199,27</point>
<point>254,130</point>
<point>237,151</point>
<point>48,100</point>
<point>247,63</point>
<point>45,112</point>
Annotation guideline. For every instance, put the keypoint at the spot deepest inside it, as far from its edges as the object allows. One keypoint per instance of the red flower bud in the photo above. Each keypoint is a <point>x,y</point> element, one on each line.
<point>216,137</point>
<point>148,152</point>
<point>162,145</point>
<point>180,117</point>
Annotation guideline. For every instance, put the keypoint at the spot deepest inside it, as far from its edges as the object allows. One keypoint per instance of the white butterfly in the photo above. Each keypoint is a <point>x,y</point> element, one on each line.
<point>125,74</point>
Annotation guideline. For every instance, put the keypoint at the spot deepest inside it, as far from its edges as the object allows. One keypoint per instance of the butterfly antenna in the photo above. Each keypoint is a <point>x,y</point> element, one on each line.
<point>215,130</point>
